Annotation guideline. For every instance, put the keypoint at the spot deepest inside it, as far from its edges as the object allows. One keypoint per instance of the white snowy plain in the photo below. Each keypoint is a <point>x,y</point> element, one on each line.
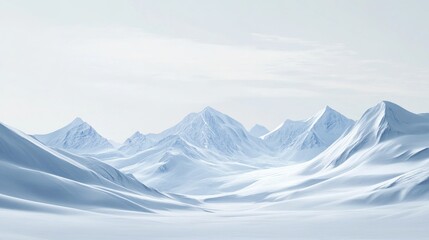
<point>383,223</point>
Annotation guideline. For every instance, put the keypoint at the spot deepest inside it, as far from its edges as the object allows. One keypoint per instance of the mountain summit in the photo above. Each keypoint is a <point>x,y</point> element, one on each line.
<point>136,143</point>
<point>312,135</point>
<point>215,131</point>
<point>77,136</point>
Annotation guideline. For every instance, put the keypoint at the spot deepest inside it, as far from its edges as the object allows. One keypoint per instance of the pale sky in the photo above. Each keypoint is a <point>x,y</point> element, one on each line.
<point>124,66</point>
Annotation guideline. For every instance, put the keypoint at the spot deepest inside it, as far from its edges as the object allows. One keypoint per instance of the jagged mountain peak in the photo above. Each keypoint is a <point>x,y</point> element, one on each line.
<point>75,136</point>
<point>137,135</point>
<point>77,121</point>
<point>328,119</point>
<point>315,134</point>
<point>391,111</point>
<point>210,110</point>
<point>326,114</point>
<point>213,116</point>
<point>136,143</point>
<point>211,129</point>
<point>135,138</point>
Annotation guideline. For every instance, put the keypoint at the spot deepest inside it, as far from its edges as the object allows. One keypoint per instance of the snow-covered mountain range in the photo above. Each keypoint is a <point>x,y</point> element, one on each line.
<point>209,157</point>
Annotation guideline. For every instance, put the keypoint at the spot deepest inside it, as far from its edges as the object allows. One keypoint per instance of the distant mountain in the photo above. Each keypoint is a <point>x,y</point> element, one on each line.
<point>258,130</point>
<point>302,140</point>
<point>215,131</point>
<point>78,136</point>
<point>33,176</point>
<point>136,143</point>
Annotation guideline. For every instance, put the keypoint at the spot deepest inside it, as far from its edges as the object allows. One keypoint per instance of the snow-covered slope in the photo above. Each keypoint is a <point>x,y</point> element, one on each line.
<point>303,140</point>
<point>175,165</point>
<point>35,175</point>
<point>258,130</point>
<point>386,122</point>
<point>136,143</point>
<point>78,136</point>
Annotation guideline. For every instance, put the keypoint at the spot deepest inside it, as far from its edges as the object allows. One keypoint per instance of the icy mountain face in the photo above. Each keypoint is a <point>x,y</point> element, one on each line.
<point>212,130</point>
<point>78,136</point>
<point>258,131</point>
<point>136,143</point>
<point>325,128</point>
<point>311,136</point>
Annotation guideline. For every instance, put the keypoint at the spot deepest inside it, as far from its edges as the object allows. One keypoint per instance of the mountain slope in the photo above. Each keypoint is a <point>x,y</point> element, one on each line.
<point>78,136</point>
<point>32,172</point>
<point>175,165</point>
<point>302,140</point>
<point>136,143</point>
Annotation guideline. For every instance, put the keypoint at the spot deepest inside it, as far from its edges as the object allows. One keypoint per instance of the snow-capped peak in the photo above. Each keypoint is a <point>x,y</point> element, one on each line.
<point>136,143</point>
<point>213,130</point>
<point>77,121</point>
<point>388,119</point>
<point>136,135</point>
<point>317,132</point>
<point>325,115</point>
<point>213,117</point>
<point>76,136</point>
<point>393,112</point>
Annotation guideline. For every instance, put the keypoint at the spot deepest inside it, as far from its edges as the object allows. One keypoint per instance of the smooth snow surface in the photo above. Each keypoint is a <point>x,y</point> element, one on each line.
<point>387,223</point>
